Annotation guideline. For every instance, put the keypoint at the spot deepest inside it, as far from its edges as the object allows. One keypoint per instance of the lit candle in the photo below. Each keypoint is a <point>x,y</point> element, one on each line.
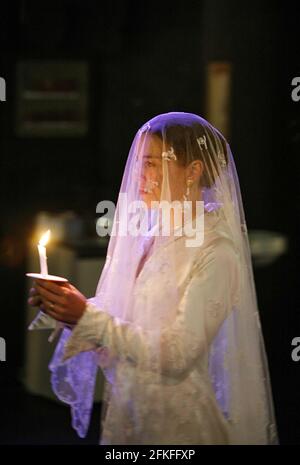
<point>42,253</point>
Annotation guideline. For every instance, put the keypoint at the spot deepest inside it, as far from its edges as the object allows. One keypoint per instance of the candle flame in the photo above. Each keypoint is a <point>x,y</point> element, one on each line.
<point>45,238</point>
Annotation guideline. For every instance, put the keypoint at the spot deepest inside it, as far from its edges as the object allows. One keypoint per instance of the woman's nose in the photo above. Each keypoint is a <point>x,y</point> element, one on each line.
<point>142,176</point>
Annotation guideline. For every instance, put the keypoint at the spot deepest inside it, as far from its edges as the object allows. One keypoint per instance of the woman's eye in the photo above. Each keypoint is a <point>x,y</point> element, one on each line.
<point>149,164</point>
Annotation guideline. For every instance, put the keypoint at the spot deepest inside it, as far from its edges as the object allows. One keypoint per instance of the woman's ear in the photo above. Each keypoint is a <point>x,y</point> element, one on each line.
<point>195,170</point>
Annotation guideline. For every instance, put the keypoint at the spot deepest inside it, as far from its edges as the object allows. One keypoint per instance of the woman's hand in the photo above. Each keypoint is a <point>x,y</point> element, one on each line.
<point>34,299</point>
<point>63,302</point>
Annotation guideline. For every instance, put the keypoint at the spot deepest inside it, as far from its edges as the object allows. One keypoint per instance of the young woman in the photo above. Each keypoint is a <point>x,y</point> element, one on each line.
<point>174,324</point>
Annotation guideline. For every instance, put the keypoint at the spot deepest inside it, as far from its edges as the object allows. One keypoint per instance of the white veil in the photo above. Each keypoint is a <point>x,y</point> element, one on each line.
<point>150,347</point>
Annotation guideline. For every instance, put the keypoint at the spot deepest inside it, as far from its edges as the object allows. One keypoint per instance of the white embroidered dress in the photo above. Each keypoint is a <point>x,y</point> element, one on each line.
<point>208,286</point>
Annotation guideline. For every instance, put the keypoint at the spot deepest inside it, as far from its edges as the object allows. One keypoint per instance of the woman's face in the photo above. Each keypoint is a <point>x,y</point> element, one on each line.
<point>151,174</point>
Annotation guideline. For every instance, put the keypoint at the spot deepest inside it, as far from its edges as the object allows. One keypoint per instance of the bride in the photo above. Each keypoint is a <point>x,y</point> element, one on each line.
<point>174,324</point>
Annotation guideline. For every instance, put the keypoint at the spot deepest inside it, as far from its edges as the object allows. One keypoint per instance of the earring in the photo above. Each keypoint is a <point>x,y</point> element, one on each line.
<point>187,192</point>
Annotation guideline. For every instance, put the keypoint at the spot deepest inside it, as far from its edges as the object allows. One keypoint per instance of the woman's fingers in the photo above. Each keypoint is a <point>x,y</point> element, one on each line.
<point>52,286</point>
<point>34,301</point>
<point>33,291</point>
<point>49,295</point>
<point>34,298</point>
<point>57,312</point>
<point>61,301</point>
<point>52,312</point>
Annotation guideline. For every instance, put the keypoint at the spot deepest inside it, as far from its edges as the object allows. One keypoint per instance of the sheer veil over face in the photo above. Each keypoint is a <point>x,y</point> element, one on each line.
<point>181,323</point>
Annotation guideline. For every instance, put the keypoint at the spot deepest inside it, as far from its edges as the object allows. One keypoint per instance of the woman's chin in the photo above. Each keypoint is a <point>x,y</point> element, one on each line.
<point>148,198</point>
<point>145,198</point>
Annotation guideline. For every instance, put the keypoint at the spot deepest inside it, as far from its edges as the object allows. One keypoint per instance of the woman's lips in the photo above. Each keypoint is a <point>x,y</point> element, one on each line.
<point>148,187</point>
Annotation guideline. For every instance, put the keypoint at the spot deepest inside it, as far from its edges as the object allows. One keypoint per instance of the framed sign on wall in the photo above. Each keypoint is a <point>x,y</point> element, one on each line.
<point>52,99</point>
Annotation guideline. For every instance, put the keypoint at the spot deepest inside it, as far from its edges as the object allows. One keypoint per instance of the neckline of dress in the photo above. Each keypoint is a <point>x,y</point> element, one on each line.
<point>209,215</point>
<point>213,216</point>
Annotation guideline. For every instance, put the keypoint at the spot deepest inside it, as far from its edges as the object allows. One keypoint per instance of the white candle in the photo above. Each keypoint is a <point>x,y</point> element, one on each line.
<point>42,253</point>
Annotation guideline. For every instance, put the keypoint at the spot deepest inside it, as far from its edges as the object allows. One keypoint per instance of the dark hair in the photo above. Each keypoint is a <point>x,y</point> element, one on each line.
<point>183,135</point>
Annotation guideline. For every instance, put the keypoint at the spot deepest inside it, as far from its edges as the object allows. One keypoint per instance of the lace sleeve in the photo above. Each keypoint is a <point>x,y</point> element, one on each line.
<point>206,302</point>
<point>202,309</point>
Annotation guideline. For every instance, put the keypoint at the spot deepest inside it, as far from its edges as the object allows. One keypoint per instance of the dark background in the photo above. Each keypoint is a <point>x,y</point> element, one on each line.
<point>147,58</point>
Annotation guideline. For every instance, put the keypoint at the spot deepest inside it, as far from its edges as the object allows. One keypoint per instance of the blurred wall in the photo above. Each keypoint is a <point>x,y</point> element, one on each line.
<point>147,58</point>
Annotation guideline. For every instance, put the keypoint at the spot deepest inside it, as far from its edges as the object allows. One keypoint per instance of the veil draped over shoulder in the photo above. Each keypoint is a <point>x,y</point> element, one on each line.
<point>172,307</point>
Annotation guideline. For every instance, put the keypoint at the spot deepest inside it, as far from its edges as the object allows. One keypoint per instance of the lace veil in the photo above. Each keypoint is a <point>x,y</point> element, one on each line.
<point>175,156</point>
